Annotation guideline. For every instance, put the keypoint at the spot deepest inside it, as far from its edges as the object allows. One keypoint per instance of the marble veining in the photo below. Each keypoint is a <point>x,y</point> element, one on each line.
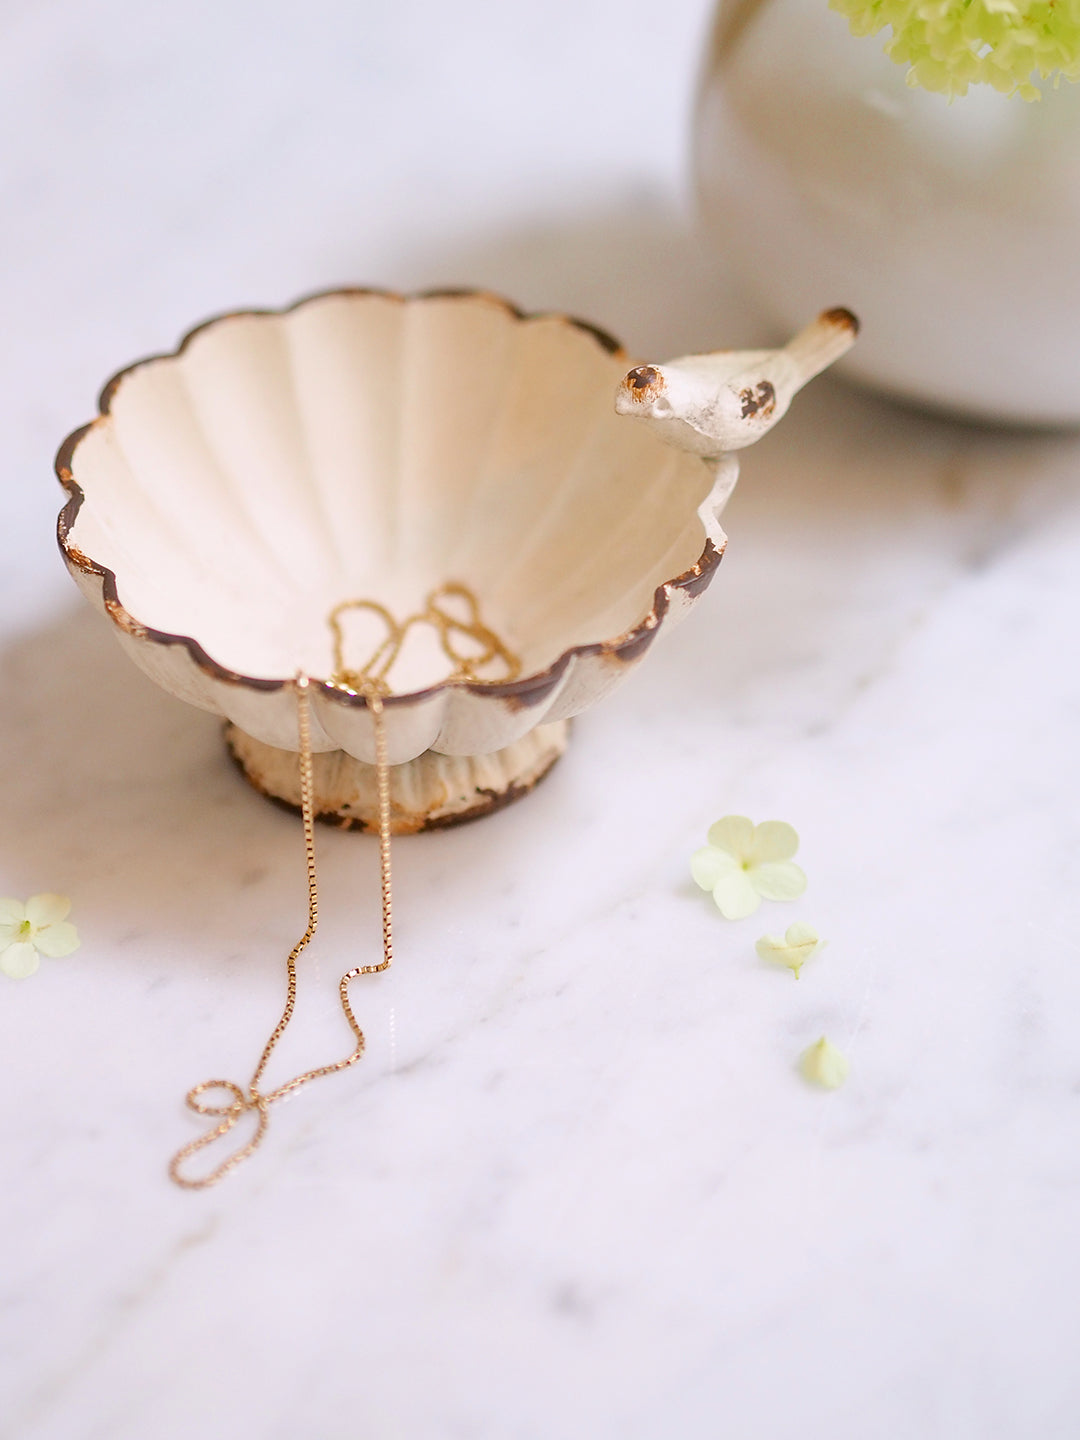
<point>576,1187</point>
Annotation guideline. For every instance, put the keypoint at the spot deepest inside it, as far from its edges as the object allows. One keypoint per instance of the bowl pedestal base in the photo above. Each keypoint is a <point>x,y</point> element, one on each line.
<point>427,793</point>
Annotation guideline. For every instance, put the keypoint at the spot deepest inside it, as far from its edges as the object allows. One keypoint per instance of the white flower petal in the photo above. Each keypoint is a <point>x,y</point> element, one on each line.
<point>778,880</point>
<point>47,909</point>
<point>797,946</point>
<point>57,940</point>
<point>773,840</point>
<point>735,897</point>
<point>825,1065</point>
<point>771,947</point>
<point>800,950</point>
<point>9,932</point>
<point>735,834</point>
<point>19,961</point>
<point>708,865</point>
<point>12,912</point>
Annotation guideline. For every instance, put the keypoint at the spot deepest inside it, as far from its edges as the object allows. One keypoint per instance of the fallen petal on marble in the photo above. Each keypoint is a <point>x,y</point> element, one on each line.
<point>798,945</point>
<point>823,1064</point>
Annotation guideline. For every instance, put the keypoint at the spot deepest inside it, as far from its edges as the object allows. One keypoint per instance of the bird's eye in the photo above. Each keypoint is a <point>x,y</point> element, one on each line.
<point>641,378</point>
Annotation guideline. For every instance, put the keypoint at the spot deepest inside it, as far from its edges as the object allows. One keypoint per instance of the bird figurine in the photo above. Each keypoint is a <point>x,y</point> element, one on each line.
<point>711,404</point>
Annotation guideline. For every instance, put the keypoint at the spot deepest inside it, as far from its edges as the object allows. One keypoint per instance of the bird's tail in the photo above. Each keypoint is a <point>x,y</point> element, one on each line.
<point>821,342</point>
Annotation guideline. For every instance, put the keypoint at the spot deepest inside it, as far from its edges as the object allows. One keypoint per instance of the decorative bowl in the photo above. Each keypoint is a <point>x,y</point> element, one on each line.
<point>231,494</point>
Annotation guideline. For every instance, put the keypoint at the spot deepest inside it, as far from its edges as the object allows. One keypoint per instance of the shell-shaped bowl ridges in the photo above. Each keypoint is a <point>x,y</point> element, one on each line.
<point>364,444</point>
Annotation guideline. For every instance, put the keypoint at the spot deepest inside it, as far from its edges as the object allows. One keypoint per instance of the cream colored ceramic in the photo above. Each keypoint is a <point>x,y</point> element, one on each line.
<point>361,444</point>
<point>714,404</point>
<point>426,793</point>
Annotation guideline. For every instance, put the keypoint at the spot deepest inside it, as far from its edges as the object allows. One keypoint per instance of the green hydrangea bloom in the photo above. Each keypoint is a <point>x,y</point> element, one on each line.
<point>951,44</point>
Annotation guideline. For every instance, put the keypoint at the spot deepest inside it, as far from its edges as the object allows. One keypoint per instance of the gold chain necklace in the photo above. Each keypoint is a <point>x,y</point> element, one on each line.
<point>371,682</point>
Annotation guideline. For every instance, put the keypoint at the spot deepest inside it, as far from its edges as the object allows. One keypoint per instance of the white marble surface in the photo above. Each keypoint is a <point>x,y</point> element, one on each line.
<point>576,1188</point>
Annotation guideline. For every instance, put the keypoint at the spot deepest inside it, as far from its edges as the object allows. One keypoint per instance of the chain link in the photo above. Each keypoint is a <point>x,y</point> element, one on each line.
<point>371,682</point>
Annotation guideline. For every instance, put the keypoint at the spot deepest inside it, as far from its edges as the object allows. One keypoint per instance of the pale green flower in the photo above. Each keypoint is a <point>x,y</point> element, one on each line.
<point>824,1064</point>
<point>744,863</point>
<point>951,44</point>
<point>799,944</point>
<point>40,927</point>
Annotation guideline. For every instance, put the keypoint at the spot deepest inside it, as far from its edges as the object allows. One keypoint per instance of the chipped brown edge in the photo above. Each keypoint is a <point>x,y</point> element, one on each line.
<point>495,800</point>
<point>528,691</point>
<point>842,316</point>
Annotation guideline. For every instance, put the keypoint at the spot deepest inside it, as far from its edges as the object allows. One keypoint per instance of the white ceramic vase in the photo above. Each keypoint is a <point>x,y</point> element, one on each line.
<point>952,230</point>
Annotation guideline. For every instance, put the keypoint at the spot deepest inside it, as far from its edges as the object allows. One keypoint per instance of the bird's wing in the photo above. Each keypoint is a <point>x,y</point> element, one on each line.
<point>720,366</point>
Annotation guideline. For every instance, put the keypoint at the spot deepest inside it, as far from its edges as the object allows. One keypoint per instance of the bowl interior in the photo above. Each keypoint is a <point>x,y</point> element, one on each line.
<point>365,446</point>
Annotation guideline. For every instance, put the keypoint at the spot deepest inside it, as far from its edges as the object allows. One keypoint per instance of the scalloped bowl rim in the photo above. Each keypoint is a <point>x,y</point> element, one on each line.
<point>626,646</point>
